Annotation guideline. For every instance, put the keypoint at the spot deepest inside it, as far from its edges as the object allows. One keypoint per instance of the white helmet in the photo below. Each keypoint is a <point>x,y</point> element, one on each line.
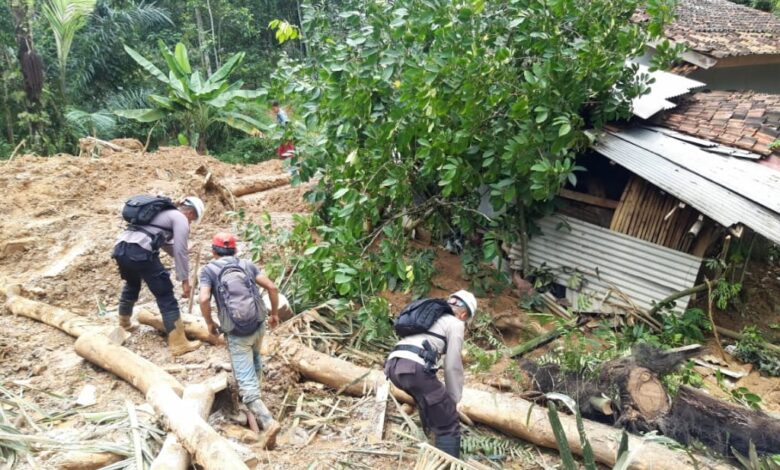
<point>197,204</point>
<point>469,299</point>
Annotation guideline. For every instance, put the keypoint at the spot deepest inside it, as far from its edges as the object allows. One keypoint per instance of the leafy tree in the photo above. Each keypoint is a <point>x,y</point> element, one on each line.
<point>65,18</point>
<point>195,103</point>
<point>427,109</point>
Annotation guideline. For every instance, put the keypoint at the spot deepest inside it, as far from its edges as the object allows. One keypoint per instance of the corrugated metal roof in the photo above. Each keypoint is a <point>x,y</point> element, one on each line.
<point>727,190</point>
<point>611,263</point>
<point>666,85</point>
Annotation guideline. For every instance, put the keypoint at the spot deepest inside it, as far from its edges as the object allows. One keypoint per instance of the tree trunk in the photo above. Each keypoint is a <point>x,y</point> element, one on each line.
<point>505,412</point>
<point>537,342</point>
<point>30,62</point>
<point>195,327</point>
<point>87,460</point>
<point>643,399</point>
<point>198,400</point>
<point>256,184</point>
<point>204,54</point>
<point>719,424</point>
<point>132,368</point>
<point>70,323</point>
<point>213,35</point>
<point>9,124</point>
<point>209,450</point>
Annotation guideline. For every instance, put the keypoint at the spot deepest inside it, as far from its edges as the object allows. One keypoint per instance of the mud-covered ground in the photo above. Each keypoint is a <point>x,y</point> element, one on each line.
<point>60,219</point>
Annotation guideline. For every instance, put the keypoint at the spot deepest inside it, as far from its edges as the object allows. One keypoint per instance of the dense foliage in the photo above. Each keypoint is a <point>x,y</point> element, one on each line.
<point>63,67</point>
<point>461,117</point>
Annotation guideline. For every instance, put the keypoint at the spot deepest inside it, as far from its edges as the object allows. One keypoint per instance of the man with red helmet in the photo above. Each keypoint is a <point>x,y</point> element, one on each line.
<point>242,318</point>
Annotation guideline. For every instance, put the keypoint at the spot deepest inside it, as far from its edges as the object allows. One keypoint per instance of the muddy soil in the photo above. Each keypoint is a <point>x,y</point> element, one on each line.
<point>58,227</point>
<point>60,219</point>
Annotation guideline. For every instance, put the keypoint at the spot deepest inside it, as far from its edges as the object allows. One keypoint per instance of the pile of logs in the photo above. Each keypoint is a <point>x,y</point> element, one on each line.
<point>191,436</point>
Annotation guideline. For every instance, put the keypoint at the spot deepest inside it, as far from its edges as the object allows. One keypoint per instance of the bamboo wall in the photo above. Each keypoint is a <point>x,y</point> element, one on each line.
<point>641,214</point>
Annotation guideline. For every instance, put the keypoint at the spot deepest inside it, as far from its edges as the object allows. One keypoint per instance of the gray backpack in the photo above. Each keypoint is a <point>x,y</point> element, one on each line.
<point>239,297</point>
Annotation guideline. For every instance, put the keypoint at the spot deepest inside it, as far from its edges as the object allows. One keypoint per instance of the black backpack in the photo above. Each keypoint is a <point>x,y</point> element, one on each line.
<point>419,316</point>
<point>141,209</point>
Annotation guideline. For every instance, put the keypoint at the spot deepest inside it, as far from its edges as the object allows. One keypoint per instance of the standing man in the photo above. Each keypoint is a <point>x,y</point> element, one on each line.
<point>137,254</point>
<point>287,148</point>
<point>412,364</point>
<point>242,314</point>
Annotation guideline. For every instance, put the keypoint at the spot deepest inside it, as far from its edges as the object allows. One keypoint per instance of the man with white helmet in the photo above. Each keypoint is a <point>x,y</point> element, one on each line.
<point>156,223</point>
<point>430,328</point>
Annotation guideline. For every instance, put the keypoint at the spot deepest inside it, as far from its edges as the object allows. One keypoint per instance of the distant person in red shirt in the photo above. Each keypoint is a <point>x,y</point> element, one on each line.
<point>287,149</point>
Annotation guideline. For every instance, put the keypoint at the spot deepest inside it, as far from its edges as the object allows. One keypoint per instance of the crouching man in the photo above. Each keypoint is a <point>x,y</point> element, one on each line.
<point>430,328</point>
<point>242,318</point>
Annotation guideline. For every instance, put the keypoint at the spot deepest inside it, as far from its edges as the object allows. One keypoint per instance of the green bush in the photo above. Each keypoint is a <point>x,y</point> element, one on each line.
<point>247,150</point>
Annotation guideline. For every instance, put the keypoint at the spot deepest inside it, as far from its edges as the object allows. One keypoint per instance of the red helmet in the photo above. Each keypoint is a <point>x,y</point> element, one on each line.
<point>224,240</point>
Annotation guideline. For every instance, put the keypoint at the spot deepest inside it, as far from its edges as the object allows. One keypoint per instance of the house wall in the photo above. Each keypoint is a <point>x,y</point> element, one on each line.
<point>647,213</point>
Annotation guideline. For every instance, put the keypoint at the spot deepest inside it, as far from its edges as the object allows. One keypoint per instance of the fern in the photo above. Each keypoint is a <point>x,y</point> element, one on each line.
<point>492,447</point>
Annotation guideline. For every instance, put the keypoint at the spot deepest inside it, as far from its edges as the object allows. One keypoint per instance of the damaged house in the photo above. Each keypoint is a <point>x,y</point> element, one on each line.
<point>693,171</point>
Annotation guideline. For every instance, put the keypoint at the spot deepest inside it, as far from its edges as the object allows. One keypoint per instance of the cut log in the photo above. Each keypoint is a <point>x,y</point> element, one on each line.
<point>131,367</point>
<point>194,326</point>
<point>208,449</point>
<point>70,323</point>
<point>87,460</point>
<point>256,184</point>
<point>504,412</point>
<point>719,424</point>
<point>198,399</point>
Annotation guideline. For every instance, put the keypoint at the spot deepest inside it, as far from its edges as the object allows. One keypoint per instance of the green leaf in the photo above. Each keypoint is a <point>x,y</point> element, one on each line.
<point>567,459</point>
<point>340,193</point>
<point>240,121</point>
<point>141,115</point>
<point>564,129</point>
<point>225,71</point>
<point>162,102</point>
<point>225,98</point>
<point>148,66</point>
<point>181,58</point>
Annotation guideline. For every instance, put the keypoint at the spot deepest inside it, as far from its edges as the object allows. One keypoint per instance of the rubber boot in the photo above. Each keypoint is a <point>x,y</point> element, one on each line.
<point>449,445</point>
<point>177,341</point>
<point>270,426</point>
<point>125,321</point>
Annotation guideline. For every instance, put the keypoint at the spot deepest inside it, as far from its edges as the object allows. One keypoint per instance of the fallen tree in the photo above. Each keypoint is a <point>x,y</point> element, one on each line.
<point>208,449</point>
<point>256,184</point>
<point>195,327</point>
<point>70,323</point>
<point>633,382</point>
<point>507,413</point>
<point>132,368</point>
<point>197,399</point>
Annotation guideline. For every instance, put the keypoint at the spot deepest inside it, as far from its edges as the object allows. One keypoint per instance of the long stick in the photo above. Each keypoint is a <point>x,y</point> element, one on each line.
<point>194,281</point>
<point>712,320</point>
<point>675,296</point>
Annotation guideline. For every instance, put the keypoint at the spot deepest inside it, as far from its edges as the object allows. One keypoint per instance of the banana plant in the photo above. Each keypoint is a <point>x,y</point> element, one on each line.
<point>196,103</point>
